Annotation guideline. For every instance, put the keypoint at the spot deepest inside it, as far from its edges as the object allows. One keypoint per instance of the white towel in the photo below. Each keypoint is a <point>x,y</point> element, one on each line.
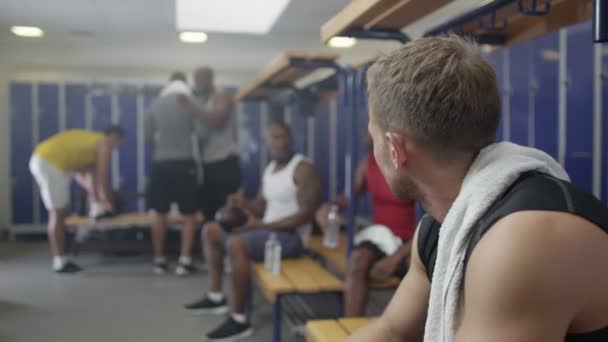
<point>492,172</point>
<point>176,87</point>
<point>381,236</point>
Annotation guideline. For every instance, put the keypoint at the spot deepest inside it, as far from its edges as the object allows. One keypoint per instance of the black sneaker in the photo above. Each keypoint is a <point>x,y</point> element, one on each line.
<point>230,330</point>
<point>69,268</point>
<point>161,268</point>
<point>207,306</point>
<point>183,270</point>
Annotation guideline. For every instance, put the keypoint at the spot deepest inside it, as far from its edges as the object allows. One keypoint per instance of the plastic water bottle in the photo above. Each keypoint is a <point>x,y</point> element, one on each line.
<point>272,254</point>
<point>330,237</point>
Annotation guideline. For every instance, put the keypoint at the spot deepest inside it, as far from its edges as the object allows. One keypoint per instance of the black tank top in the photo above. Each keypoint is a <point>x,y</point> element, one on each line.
<point>531,191</point>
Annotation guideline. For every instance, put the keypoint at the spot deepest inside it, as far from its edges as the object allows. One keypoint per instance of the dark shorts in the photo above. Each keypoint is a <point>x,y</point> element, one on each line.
<point>255,240</point>
<point>221,179</point>
<point>378,254</point>
<point>173,182</point>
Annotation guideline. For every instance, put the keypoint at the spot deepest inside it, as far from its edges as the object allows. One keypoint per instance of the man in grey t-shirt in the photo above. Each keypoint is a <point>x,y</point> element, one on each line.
<point>220,149</point>
<point>169,128</point>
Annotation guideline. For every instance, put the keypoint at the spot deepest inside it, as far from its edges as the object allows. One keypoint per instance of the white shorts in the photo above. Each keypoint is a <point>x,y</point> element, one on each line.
<point>53,183</point>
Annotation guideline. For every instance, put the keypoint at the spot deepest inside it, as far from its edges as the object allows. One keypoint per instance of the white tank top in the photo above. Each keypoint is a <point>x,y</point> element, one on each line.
<point>280,192</point>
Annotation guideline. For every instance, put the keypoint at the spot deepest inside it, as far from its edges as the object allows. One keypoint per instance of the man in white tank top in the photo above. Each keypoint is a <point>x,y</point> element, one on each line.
<point>290,194</point>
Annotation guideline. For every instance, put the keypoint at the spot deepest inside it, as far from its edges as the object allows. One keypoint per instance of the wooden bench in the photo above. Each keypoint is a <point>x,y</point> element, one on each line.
<point>391,16</point>
<point>80,227</point>
<point>385,15</point>
<point>333,330</point>
<point>282,73</point>
<point>337,258</point>
<point>298,276</point>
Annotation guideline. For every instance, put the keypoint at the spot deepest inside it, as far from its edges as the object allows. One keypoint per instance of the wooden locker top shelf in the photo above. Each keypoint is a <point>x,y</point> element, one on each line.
<point>378,14</point>
<point>280,72</point>
<point>521,27</point>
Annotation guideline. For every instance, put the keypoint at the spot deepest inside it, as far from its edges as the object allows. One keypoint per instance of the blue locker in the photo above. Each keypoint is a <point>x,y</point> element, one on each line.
<point>149,97</point>
<point>496,60</point>
<point>75,105</point>
<point>322,145</point>
<point>127,106</point>
<point>299,130</point>
<point>102,111</point>
<point>21,150</point>
<point>545,76</point>
<point>251,164</point>
<point>48,120</point>
<point>520,60</point>
<point>364,206</point>
<point>342,125</point>
<point>579,121</point>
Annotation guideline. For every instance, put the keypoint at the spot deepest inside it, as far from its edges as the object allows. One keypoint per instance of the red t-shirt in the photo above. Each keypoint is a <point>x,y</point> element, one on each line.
<point>398,215</point>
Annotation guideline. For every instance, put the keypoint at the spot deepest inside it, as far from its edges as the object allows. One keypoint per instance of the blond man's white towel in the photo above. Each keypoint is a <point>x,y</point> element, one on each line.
<point>492,172</point>
<point>176,87</point>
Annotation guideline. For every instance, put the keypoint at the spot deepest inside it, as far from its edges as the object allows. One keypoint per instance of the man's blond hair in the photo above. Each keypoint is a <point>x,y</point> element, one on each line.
<point>438,90</point>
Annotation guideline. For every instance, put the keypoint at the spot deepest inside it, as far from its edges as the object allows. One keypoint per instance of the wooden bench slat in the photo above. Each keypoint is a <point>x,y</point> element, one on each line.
<point>325,331</point>
<point>271,284</point>
<point>353,324</point>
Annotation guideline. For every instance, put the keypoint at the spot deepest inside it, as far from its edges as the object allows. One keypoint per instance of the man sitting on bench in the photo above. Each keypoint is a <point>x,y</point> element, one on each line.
<point>288,199</point>
<point>383,249</point>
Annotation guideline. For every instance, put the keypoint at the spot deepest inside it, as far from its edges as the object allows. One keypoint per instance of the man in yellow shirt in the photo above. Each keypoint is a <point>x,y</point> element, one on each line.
<point>83,155</point>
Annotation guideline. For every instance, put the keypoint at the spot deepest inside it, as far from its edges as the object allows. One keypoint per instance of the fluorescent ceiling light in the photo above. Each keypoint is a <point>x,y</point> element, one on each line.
<point>27,31</point>
<point>231,16</point>
<point>193,37</point>
<point>342,42</point>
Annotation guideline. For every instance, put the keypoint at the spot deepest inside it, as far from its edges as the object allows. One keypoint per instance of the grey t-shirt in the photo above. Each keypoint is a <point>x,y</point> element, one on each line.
<point>218,143</point>
<point>169,128</point>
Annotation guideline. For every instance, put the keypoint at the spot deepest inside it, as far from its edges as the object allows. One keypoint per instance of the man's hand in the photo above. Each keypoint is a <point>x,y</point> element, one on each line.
<point>236,199</point>
<point>107,206</point>
<point>252,223</point>
<point>385,268</point>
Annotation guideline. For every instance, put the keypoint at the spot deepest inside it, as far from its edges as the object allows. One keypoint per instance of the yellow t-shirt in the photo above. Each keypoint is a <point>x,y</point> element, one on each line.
<point>70,150</point>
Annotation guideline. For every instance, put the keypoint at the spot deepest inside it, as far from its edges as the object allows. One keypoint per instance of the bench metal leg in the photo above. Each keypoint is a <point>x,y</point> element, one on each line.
<point>276,320</point>
<point>340,296</point>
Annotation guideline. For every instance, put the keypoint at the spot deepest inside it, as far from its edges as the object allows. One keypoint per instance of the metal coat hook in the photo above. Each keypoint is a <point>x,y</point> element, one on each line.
<point>535,9</point>
<point>492,26</point>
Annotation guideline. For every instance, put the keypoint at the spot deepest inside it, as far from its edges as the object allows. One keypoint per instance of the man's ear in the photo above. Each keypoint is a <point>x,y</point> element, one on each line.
<point>396,145</point>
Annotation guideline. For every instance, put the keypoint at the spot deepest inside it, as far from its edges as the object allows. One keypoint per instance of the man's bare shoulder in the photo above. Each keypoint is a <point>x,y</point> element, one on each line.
<point>536,260</point>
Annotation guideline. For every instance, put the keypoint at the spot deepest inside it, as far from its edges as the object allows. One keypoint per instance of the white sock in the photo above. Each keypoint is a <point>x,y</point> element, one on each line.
<point>160,260</point>
<point>185,260</point>
<point>241,318</point>
<point>58,262</point>
<point>215,296</point>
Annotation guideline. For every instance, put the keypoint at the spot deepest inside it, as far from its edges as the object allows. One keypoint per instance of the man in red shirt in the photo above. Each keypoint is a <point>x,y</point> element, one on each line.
<point>383,249</point>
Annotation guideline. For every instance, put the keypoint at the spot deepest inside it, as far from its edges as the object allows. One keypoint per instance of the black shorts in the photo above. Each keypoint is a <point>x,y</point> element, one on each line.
<point>221,179</point>
<point>401,268</point>
<point>173,181</point>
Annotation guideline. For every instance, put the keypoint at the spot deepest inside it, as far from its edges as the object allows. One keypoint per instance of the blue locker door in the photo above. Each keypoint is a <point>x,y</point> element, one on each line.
<point>364,206</point>
<point>48,120</point>
<point>545,77</point>
<point>342,124</point>
<point>102,111</point>
<point>299,130</point>
<point>75,105</point>
<point>21,150</point>
<point>148,153</point>
<point>251,156</point>
<point>520,79</point>
<point>127,106</point>
<point>579,122</point>
<point>322,145</point>
<point>496,61</point>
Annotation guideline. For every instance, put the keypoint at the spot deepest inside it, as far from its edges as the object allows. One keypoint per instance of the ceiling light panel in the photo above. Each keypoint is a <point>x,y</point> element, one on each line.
<point>27,31</point>
<point>230,16</point>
